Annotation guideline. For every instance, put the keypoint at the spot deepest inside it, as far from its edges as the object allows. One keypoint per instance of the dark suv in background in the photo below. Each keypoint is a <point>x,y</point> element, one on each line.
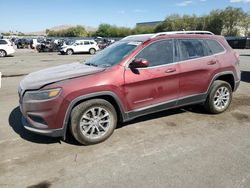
<point>138,75</point>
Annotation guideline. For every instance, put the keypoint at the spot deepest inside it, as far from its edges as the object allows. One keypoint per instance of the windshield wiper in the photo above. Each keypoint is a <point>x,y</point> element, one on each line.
<point>91,64</point>
<point>105,65</point>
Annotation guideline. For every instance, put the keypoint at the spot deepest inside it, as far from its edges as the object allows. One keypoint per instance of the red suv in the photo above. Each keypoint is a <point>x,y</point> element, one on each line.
<point>138,75</point>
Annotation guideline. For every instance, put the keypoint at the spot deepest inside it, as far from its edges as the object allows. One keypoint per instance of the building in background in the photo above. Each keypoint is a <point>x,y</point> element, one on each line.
<point>148,24</point>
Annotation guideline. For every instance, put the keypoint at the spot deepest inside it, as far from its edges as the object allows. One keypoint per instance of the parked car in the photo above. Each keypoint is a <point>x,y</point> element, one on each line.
<point>80,46</point>
<point>103,42</point>
<point>239,42</point>
<point>138,75</point>
<point>23,43</point>
<point>6,48</point>
<point>49,45</point>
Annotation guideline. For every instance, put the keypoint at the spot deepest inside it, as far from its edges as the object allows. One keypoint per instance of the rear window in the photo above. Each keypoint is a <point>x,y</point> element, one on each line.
<point>192,48</point>
<point>214,47</point>
<point>3,42</point>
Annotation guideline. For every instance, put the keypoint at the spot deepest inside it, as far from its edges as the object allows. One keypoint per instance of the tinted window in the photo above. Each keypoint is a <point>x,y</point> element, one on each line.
<point>158,53</point>
<point>214,47</point>
<point>3,42</point>
<point>192,48</point>
<point>86,42</point>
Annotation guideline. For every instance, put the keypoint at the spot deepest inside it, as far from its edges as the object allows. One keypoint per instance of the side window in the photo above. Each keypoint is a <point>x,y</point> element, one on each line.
<point>3,42</point>
<point>158,53</point>
<point>86,42</point>
<point>192,48</point>
<point>91,42</point>
<point>214,46</point>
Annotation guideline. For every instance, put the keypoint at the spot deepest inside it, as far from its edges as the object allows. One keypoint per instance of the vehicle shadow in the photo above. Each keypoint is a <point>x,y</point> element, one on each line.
<point>245,76</point>
<point>15,121</point>
<point>198,109</point>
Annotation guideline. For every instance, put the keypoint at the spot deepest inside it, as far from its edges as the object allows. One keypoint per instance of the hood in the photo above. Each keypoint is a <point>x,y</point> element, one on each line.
<point>43,77</point>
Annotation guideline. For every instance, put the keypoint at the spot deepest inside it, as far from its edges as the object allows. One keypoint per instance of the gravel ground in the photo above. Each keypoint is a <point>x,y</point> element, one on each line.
<point>184,147</point>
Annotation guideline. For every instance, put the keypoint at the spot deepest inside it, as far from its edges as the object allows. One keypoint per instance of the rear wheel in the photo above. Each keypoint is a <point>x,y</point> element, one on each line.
<point>93,121</point>
<point>219,97</point>
<point>2,53</point>
<point>92,51</point>
<point>69,52</point>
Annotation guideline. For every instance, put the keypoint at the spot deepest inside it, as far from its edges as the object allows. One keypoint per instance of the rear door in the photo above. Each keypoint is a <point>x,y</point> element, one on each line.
<point>197,67</point>
<point>158,83</point>
<point>86,46</point>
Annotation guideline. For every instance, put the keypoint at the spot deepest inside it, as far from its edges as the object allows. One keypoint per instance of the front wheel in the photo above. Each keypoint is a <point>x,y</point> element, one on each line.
<point>219,97</point>
<point>93,121</point>
<point>69,52</point>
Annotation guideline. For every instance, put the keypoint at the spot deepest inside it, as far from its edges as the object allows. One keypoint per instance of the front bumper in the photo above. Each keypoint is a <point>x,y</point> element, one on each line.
<point>63,50</point>
<point>45,117</point>
<point>45,132</point>
<point>236,85</point>
<point>10,51</point>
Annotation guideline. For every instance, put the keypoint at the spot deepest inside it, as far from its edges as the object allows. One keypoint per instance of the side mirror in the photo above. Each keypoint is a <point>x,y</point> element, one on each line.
<point>139,63</point>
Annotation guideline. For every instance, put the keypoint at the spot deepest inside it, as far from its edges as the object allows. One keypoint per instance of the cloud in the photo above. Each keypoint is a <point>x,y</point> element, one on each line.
<point>239,1</point>
<point>184,3</point>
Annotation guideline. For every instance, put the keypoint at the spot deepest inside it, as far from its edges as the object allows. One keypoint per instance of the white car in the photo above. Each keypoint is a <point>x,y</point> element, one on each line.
<point>80,46</point>
<point>6,48</point>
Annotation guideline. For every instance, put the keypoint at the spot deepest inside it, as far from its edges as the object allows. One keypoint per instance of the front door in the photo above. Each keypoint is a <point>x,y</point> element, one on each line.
<point>156,84</point>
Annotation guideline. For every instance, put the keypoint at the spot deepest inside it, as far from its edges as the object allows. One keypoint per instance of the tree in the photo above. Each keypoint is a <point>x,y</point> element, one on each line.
<point>77,31</point>
<point>245,24</point>
<point>231,19</point>
<point>104,30</point>
<point>214,22</point>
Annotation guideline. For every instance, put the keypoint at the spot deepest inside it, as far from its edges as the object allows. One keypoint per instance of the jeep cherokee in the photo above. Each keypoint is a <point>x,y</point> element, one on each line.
<point>138,75</point>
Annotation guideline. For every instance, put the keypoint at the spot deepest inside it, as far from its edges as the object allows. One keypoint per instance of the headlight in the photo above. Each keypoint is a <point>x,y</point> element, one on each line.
<point>43,94</point>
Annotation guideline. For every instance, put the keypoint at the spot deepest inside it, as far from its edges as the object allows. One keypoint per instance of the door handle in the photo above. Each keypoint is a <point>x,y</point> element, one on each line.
<point>212,62</point>
<point>170,70</point>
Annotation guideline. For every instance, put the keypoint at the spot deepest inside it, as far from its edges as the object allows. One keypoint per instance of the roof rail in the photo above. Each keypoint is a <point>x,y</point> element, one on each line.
<point>144,37</point>
<point>182,32</point>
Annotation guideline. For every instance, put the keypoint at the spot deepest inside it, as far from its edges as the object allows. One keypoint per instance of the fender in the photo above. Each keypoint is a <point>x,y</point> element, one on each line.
<point>89,96</point>
<point>217,76</point>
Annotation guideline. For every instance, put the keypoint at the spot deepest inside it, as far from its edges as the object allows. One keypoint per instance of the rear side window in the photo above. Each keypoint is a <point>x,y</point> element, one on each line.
<point>86,42</point>
<point>158,53</point>
<point>3,42</point>
<point>214,47</point>
<point>192,48</point>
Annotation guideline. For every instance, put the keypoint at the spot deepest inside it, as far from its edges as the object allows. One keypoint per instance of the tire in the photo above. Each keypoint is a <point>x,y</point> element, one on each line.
<point>69,52</point>
<point>219,97</point>
<point>92,51</point>
<point>3,53</point>
<point>88,127</point>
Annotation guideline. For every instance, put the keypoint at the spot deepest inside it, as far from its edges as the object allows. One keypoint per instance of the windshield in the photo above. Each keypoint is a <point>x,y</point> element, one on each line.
<point>113,54</point>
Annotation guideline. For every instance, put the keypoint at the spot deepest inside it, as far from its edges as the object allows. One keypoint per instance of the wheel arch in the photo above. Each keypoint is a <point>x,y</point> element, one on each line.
<point>227,76</point>
<point>106,95</point>
<point>70,49</point>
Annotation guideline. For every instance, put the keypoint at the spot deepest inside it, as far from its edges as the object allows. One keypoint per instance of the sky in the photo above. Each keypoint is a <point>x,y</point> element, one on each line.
<point>37,15</point>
